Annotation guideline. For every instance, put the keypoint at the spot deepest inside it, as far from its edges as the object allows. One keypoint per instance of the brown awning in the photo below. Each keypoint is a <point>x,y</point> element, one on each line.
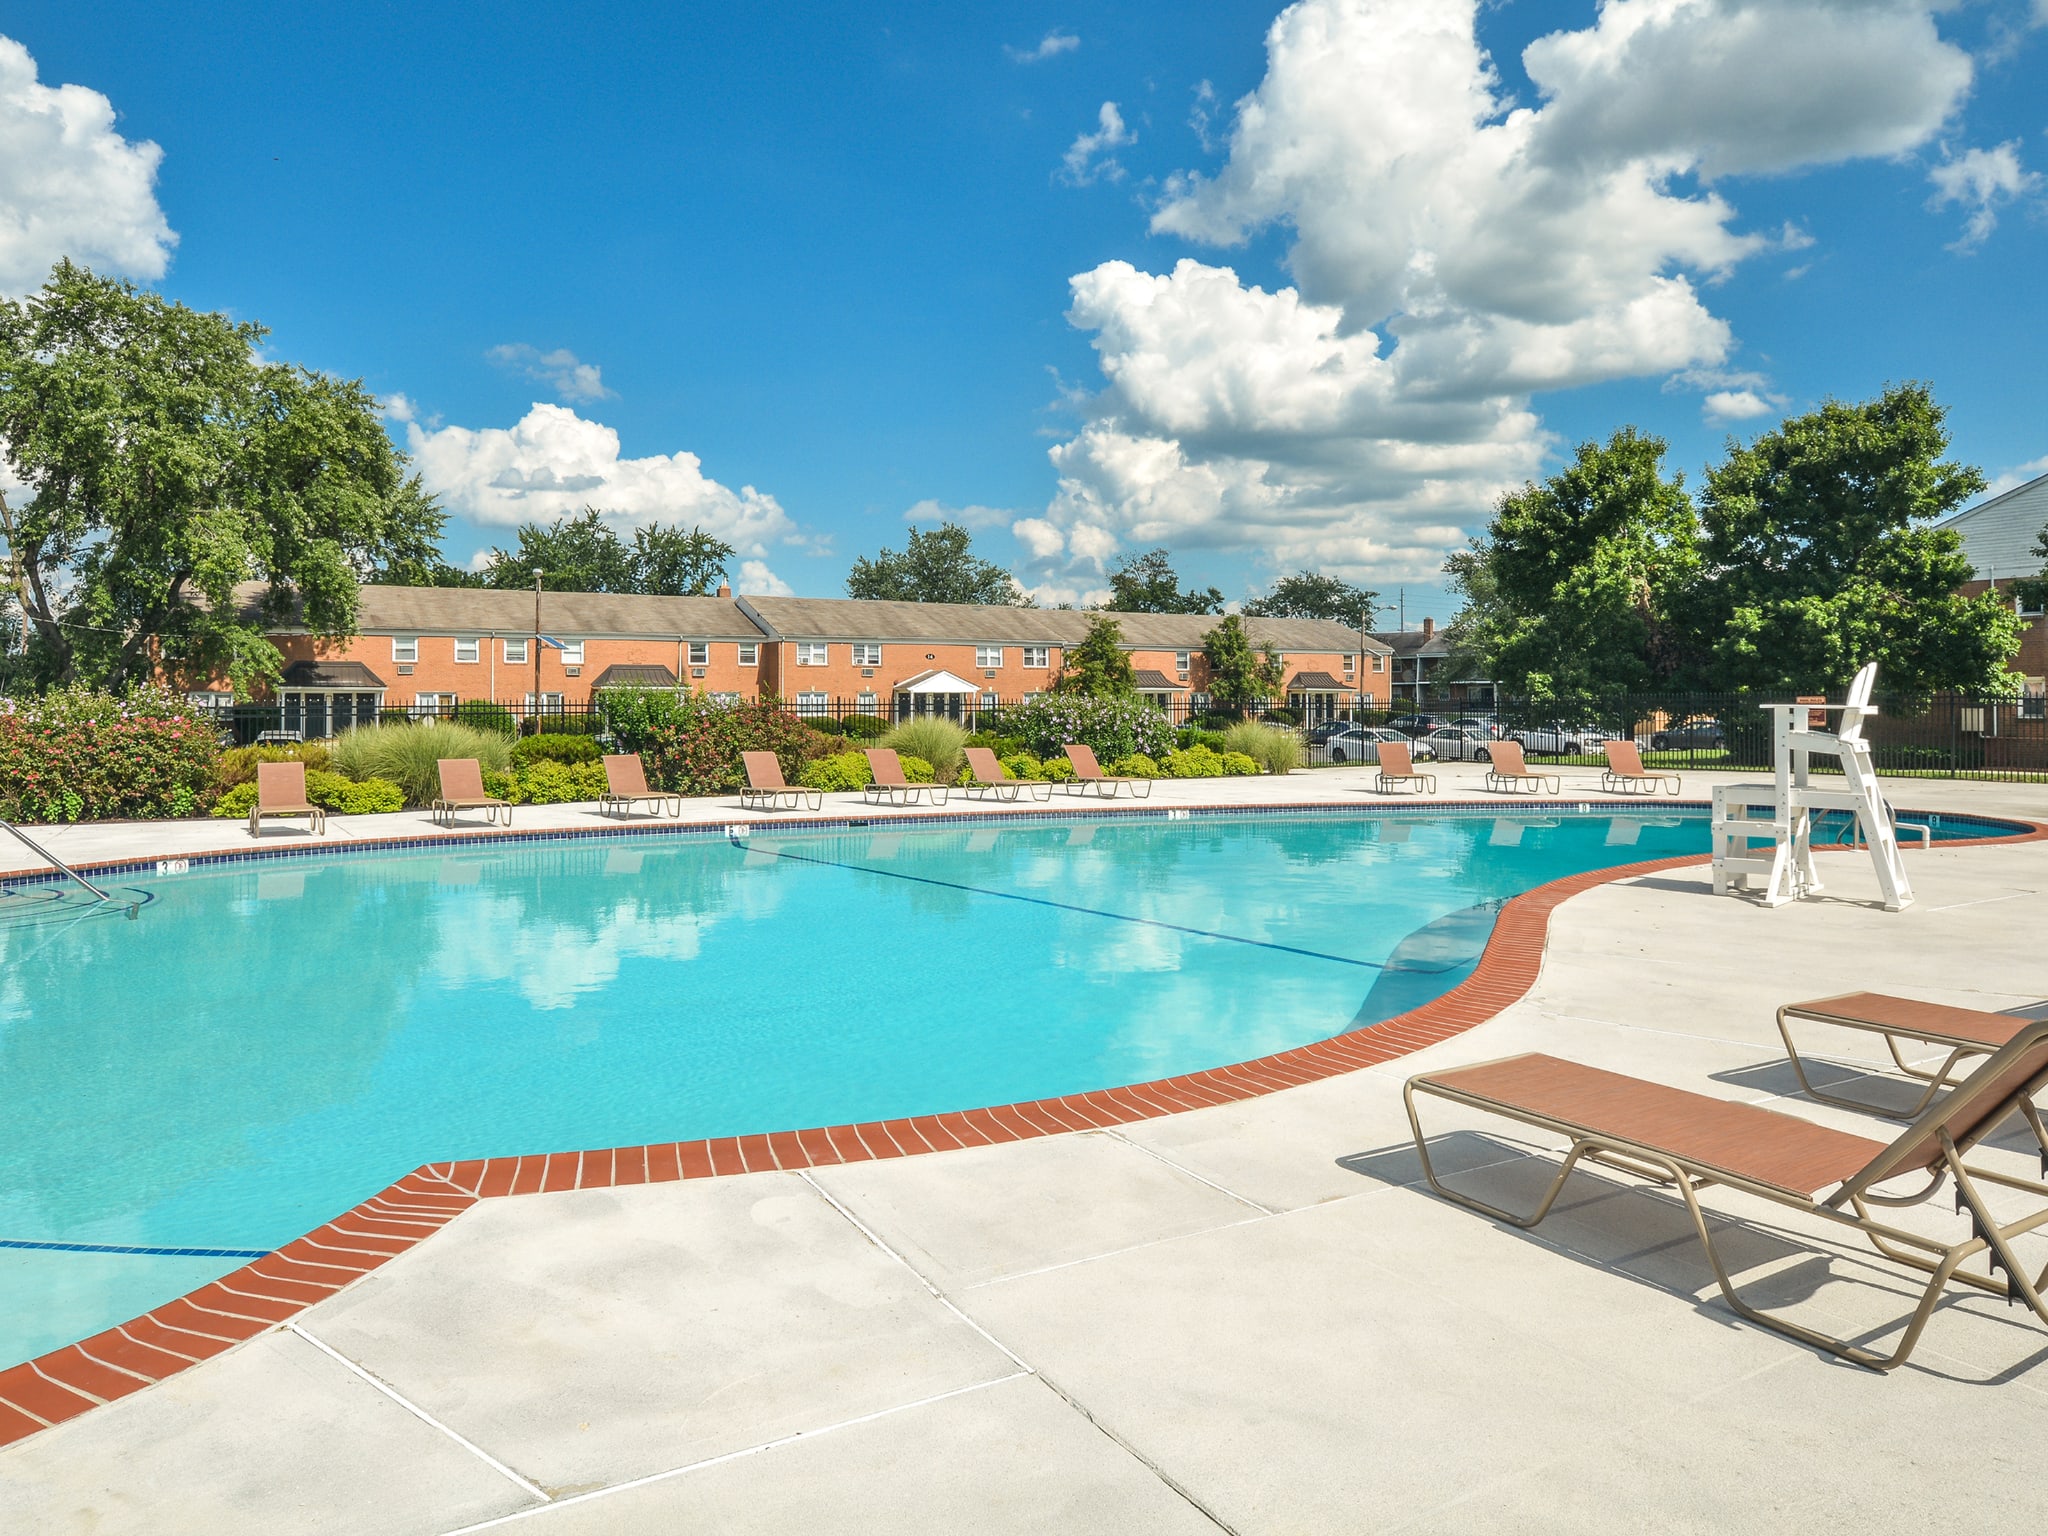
<point>1151,681</point>
<point>635,675</point>
<point>1318,682</point>
<point>331,674</point>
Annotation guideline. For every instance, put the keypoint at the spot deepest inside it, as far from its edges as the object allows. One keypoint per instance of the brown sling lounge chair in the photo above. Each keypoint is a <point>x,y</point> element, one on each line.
<point>1626,775</point>
<point>462,789</point>
<point>1962,1032</point>
<point>1693,1142</point>
<point>767,790</point>
<point>990,777</point>
<point>625,785</point>
<point>888,783</point>
<point>1508,771</point>
<point>281,791</point>
<point>1397,766</point>
<point>1088,774</point>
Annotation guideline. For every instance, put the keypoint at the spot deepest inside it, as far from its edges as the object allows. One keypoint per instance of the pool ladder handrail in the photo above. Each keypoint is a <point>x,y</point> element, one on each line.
<point>41,852</point>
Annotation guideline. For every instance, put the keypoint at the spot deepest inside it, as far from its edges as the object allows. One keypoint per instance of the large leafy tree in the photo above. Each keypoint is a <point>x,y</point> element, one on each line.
<point>1820,557</point>
<point>1098,665</point>
<point>1577,583</point>
<point>165,462</point>
<point>669,562</point>
<point>1148,583</point>
<point>584,554</point>
<point>411,556</point>
<point>1312,595</point>
<point>1239,673</point>
<point>935,567</point>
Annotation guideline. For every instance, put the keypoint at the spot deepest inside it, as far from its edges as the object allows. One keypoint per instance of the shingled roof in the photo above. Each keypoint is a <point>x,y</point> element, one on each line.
<point>585,615</point>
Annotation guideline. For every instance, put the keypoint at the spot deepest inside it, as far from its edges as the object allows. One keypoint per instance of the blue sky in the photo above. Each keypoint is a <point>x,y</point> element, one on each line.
<point>864,259</point>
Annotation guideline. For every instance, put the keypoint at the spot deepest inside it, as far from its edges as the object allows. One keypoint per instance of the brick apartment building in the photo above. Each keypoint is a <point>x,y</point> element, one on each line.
<point>427,649</point>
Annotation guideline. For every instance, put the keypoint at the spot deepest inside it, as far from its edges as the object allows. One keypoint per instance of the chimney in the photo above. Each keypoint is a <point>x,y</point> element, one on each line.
<point>1428,628</point>
<point>725,589</point>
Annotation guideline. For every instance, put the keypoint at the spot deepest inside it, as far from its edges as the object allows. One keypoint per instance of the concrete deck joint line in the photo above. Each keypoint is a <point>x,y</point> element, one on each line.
<point>731,1456</point>
<point>1186,1172</point>
<point>421,1414</point>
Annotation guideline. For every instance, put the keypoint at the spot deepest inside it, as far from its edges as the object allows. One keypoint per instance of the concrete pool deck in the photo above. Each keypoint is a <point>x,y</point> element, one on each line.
<point>1244,1317</point>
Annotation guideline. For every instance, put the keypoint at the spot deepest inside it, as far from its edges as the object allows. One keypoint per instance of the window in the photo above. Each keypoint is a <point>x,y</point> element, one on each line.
<point>1180,660</point>
<point>1379,662</point>
<point>468,650</point>
<point>811,703</point>
<point>988,656</point>
<point>405,650</point>
<point>1037,655</point>
<point>433,704</point>
<point>1350,663</point>
<point>866,701</point>
<point>515,653</point>
<point>572,653</point>
<point>207,699</point>
<point>989,700</point>
<point>700,653</point>
<point>550,703</point>
<point>2025,609</point>
<point>750,653</point>
<point>812,653</point>
<point>725,698</point>
<point>867,653</point>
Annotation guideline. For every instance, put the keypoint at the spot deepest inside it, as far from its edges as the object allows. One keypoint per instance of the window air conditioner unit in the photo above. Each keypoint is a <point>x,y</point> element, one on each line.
<point>696,671</point>
<point>572,671</point>
<point>405,669</point>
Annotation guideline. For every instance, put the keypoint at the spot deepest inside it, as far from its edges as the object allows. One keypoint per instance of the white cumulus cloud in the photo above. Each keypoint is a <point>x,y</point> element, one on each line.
<point>759,581</point>
<point>1090,157</point>
<point>561,370</point>
<point>1453,253</point>
<point>1735,405</point>
<point>1050,46</point>
<point>1981,181</point>
<point>553,462</point>
<point>70,184</point>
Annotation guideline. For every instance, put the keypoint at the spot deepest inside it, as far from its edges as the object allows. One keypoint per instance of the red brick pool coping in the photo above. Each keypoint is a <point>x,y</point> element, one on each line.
<point>262,1295</point>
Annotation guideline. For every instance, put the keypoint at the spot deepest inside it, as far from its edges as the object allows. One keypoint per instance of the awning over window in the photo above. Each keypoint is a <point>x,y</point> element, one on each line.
<point>1318,682</point>
<point>351,675</point>
<point>635,675</point>
<point>1151,681</point>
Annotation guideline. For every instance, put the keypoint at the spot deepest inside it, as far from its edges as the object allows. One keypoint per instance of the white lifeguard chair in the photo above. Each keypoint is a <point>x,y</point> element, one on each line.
<point>1744,814</point>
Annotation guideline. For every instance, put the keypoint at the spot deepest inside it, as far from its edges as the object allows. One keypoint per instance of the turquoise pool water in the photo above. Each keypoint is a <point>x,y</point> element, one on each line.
<point>267,1043</point>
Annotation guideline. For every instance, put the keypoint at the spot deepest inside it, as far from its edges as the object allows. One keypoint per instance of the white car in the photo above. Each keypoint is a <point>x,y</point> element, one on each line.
<point>1560,740</point>
<point>1361,744</point>
<point>1460,743</point>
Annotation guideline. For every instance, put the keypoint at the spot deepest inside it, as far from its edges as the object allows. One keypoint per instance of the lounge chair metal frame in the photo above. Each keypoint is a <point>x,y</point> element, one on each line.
<point>778,796</point>
<point>1929,1145</point>
<point>446,806</point>
<point>282,776</point>
<point>1615,780</point>
<point>899,791</point>
<point>1425,783</point>
<point>1508,777</point>
<point>1088,775</point>
<point>1964,1032</point>
<point>999,784</point>
<point>620,802</point>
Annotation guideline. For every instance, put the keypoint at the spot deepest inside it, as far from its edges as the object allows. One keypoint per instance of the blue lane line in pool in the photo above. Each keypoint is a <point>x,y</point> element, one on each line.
<point>154,1253</point>
<point>1068,906</point>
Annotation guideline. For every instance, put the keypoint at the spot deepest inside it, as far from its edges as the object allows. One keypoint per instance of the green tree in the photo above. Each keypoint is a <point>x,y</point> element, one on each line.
<point>1098,666</point>
<point>571,554</point>
<point>1312,595</point>
<point>935,567</point>
<point>1820,558</point>
<point>1239,674</point>
<point>1148,583</point>
<point>1576,584</point>
<point>164,463</point>
<point>668,562</point>
<point>412,554</point>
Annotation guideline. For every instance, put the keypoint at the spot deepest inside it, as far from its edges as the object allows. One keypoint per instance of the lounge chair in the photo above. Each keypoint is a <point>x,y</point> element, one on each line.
<point>1508,771</point>
<point>462,789</point>
<point>281,791</point>
<point>1692,1141</point>
<point>767,790</point>
<point>1397,766</point>
<point>1962,1032</point>
<point>625,786</point>
<point>1626,775</point>
<point>1088,774</point>
<point>888,784</point>
<point>990,777</point>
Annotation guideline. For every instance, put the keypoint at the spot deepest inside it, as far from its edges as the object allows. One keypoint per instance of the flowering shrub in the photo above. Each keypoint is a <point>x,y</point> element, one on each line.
<point>1115,727</point>
<point>697,750</point>
<point>75,754</point>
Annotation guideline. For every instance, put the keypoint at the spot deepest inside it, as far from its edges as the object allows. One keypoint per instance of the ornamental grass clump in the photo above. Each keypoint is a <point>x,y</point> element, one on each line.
<point>938,742</point>
<point>1273,749</point>
<point>78,754</point>
<point>409,754</point>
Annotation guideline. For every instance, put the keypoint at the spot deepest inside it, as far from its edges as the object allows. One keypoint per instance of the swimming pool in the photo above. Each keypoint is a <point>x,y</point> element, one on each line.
<point>268,1042</point>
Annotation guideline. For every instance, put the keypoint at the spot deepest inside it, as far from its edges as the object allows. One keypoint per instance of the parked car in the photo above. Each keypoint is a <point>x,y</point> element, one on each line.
<point>1700,732</point>
<point>1361,744</point>
<point>1461,743</point>
<point>1568,741</point>
<point>1484,725</point>
<point>1415,725</point>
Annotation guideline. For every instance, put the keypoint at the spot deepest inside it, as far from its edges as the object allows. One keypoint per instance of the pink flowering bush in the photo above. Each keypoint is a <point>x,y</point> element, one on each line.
<point>1114,727</point>
<point>78,755</point>
<point>696,750</point>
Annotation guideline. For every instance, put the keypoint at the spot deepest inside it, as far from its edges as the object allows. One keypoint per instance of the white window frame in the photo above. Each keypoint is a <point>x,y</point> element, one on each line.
<point>866,701</point>
<point>469,652</point>
<point>700,653</point>
<point>405,652</point>
<point>813,653</point>
<point>572,653</point>
<point>867,653</point>
<point>1379,661</point>
<point>1181,659</point>
<point>2019,606</point>
<point>1038,656</point>
<point>1350,663</point>
<point>750,653</point>
<point>812,702</point>
<point>433,703</point>
<point>517,653</point>
<point>550,703</point>
<point>988,657</point>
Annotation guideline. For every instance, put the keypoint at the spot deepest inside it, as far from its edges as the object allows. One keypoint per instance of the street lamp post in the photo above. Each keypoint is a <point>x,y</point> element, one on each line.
<point>535,711</point>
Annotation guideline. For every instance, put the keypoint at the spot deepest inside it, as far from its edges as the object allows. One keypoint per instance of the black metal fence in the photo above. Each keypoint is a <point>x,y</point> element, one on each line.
<point>1944,735</point>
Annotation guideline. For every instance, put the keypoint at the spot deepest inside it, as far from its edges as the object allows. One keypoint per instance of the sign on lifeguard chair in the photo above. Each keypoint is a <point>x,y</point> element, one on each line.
<point>1788,804</point>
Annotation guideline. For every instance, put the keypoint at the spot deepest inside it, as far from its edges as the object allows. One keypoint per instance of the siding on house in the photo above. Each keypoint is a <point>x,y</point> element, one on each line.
<point>1999,539</point>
